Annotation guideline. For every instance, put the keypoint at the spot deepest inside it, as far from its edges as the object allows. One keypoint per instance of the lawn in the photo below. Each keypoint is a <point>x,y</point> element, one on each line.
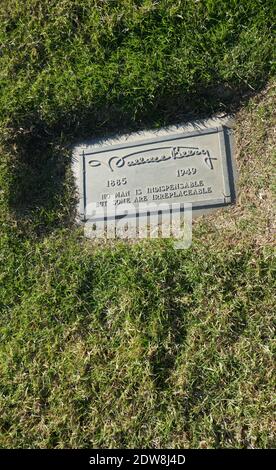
<point>134,344</point>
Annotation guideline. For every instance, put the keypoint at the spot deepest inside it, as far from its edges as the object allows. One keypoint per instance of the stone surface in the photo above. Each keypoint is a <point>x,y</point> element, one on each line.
<point>128,176</point>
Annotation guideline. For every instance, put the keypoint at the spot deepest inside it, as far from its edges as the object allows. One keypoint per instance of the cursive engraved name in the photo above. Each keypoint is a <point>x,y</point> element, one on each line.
<point>176,153</point>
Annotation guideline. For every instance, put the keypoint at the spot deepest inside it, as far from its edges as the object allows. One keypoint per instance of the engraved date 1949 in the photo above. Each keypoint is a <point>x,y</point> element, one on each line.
<point>186,171</point>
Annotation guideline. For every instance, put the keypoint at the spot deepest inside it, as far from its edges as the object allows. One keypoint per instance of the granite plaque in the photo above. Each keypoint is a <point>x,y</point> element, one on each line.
<point>128,176</point>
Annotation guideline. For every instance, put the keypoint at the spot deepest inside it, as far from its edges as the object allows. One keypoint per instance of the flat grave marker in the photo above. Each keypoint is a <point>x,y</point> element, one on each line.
<point>135,175</point>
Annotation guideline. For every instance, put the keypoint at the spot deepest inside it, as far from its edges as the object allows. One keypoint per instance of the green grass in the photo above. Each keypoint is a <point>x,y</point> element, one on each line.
<point>80,63</point>
<point>133,345</point>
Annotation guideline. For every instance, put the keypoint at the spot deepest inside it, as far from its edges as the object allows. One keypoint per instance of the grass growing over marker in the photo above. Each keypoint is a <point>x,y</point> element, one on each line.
<point>133,345</point>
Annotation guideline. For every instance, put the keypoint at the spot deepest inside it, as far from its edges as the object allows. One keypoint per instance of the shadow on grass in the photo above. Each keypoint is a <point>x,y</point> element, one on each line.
<point>41,184</point>
<point>41,194</point>
<point>172,328</point>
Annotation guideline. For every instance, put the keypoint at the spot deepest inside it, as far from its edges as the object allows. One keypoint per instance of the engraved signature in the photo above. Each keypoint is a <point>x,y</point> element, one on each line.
<point>176,153</point>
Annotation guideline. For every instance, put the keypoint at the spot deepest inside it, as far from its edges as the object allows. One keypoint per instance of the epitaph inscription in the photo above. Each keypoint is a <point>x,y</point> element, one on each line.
<point>194,167</point>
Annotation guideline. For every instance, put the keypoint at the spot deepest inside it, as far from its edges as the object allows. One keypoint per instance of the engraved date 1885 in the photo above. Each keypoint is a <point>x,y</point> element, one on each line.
<point>116,182</point>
